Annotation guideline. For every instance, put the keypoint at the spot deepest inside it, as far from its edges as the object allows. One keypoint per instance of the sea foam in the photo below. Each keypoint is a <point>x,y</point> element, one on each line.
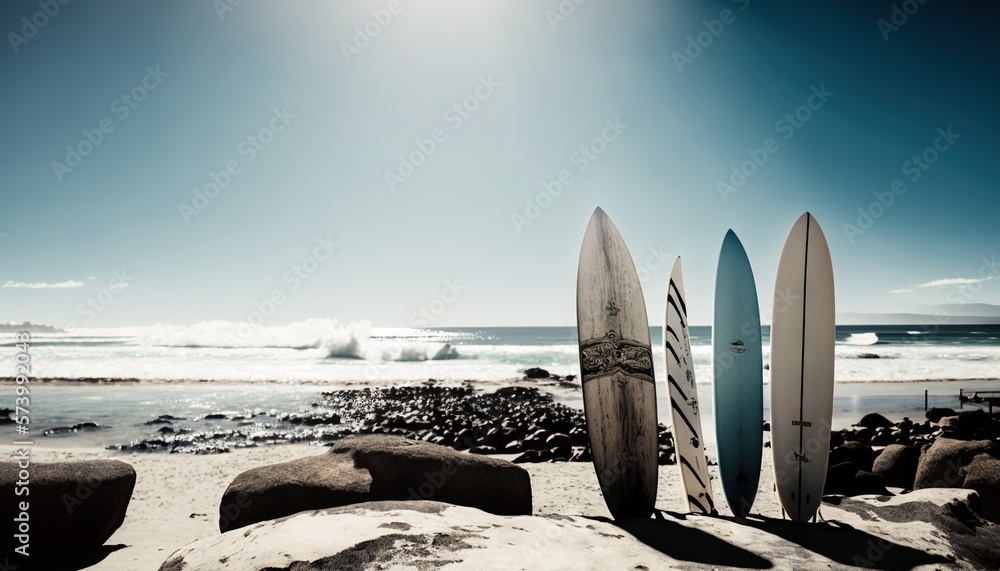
<point>861,339</point>
<point>353,340</point>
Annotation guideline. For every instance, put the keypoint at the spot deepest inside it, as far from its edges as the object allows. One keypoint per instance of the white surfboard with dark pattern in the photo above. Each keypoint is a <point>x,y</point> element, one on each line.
<point>616,366</point>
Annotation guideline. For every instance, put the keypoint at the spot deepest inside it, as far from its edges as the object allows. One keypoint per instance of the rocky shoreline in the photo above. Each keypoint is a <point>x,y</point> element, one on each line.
<point>526,422</point>
<point>512,420</point>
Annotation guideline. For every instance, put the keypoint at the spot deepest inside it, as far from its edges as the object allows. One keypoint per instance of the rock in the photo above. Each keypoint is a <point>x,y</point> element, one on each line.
<point>950,427</point>
<point>536,440</point>
<point>942,465</point>
<point>905,425</point>
<point>836,438</point>
<point>562,453</point>
<point>926,529</point>
<point>536,373</point>
<point>885,436</point>
<point>936,414</point>
<point>527,456</point>
<point>929,518</point>
<point>581,454</point>
<point>863,434</point>
<point>869,356</point>
<point>71,429</point>
<point>854,452</point>
<point>874,420</point>
<point>848,479</point>
<point>983,476</point>
<point>74,507</point>
<point>558,441</point>
<point>375,468</point>
<point>418,535</point>
<point>898,465</point>
<point>970,422</point>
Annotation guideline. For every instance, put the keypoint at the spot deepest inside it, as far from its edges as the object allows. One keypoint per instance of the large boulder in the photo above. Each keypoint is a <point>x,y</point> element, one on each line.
<point>942,465</point>
<point>848,479</point>
<point>926,529</point>
<point>972,422</point>
<point>874,420</point>
<point>898,465</point>
<point>375,468</point>
<point>73,507</point>
<point>983,475</point>
<point>857,452</point>
<point>936,414</point>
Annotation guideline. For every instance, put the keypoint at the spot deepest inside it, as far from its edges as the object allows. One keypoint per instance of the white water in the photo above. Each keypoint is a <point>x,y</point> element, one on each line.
<point>327,351</point>
<point>862,339</point>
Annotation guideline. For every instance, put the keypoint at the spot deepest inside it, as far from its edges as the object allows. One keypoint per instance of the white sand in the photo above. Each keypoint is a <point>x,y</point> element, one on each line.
<point>177,496</point>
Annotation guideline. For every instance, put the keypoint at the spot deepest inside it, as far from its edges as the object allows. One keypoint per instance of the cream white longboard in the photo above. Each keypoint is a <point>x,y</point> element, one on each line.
<point>689,441</point>
<point>616,365</point>
<point>802,353</point>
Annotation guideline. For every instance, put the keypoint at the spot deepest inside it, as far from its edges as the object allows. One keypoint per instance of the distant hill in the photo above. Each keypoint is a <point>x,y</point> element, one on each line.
<point>28,327</point>
<point>951,314</point>
<point>967,309</point>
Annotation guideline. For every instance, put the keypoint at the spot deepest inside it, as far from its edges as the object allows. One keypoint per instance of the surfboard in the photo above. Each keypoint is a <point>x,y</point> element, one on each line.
<point>802,344</point>
<point>689,442</point>
<point>616,366</point>
<point>738,369</point>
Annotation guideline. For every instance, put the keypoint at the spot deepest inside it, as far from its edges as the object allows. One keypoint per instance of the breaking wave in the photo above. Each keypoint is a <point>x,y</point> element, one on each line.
<point>353,340</point>
<point>861,339</point>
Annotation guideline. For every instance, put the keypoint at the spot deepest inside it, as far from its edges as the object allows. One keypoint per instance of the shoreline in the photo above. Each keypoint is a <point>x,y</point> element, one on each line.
<point>513,381</point>
<point>177,496</point>
<point>81,415</point>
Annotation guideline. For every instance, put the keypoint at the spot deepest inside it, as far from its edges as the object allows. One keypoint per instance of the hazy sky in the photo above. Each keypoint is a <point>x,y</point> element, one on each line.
<point>302,111</point>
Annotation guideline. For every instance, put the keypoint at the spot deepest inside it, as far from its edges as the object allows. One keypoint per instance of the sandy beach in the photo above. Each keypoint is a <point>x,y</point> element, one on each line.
<point>177,496</point>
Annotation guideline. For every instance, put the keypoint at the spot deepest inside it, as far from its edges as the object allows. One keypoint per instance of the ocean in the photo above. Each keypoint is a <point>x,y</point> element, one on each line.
<point>225,366</point>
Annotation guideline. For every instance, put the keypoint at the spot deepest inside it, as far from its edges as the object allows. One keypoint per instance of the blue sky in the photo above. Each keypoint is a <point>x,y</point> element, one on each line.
<point>309,113</point>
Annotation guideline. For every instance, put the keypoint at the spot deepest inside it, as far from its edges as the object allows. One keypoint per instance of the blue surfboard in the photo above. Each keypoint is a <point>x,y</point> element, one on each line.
<point>739,377</point>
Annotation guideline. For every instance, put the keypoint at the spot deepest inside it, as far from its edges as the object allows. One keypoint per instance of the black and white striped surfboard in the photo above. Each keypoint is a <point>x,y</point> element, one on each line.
<point>688,438</point>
